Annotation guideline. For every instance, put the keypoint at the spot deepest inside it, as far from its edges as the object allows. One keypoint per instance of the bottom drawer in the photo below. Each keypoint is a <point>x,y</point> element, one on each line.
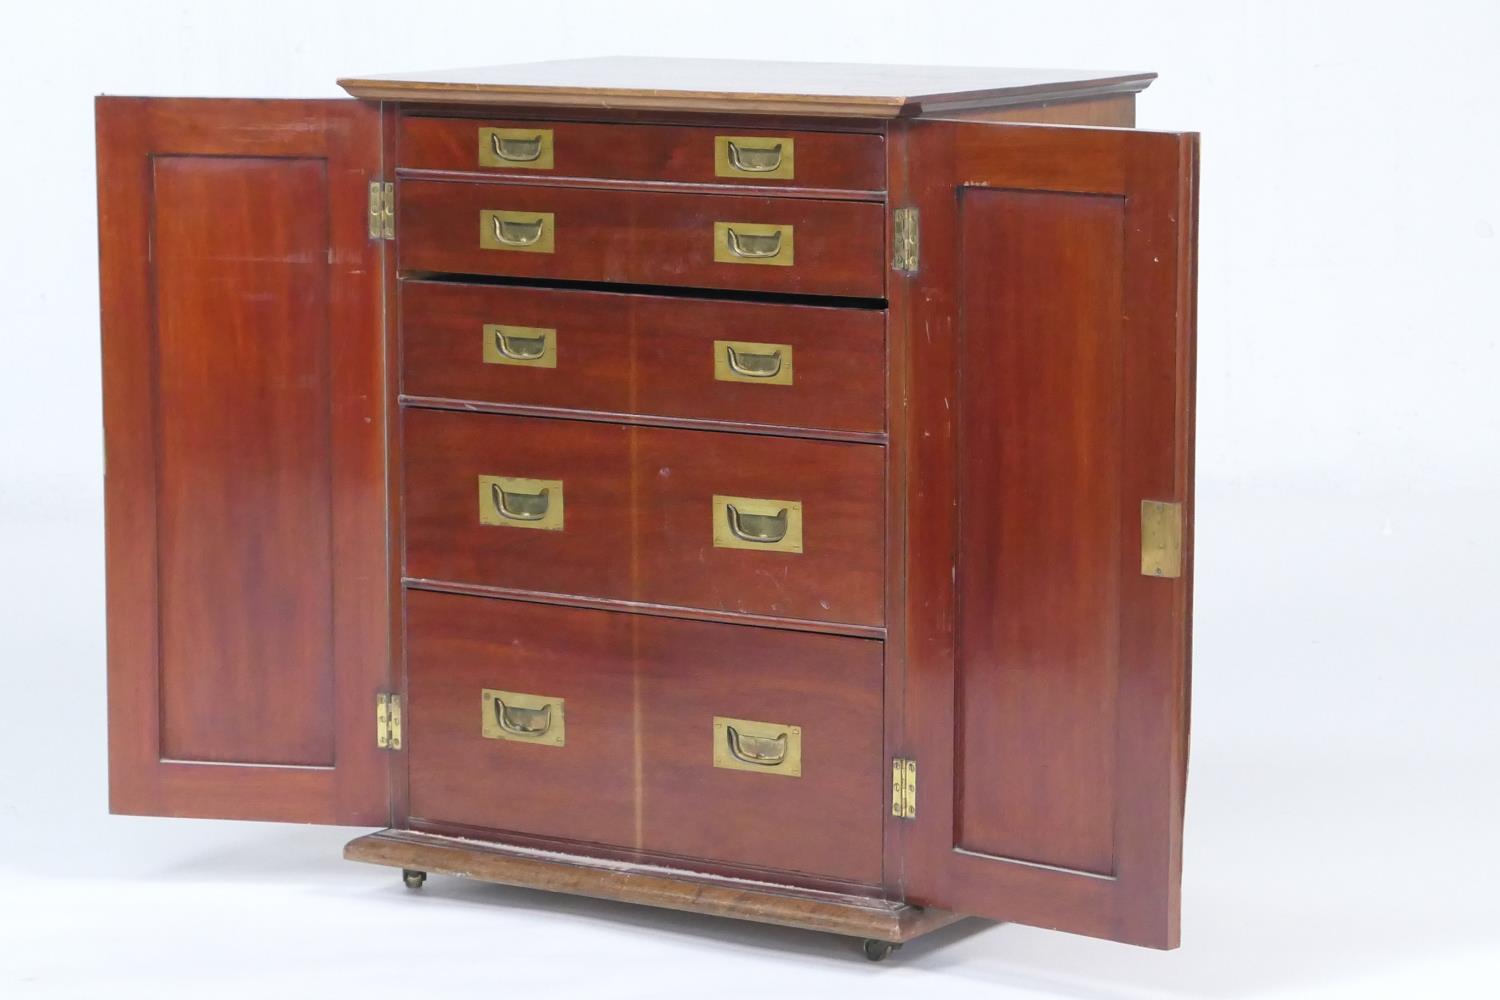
<point>740,745</point>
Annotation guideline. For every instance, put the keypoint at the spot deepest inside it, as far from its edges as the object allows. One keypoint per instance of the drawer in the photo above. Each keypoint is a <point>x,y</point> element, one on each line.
<point>757,363</point>
<point>794,245</point>
<point>700,519</point>
<point>850,161</point>
<point>734,744</point>
<point>574,778</point>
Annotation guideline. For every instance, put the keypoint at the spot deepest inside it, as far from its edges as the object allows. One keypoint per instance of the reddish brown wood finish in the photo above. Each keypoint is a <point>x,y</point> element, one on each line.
<point>244,500</point>
<point>644,355</point>
<point>638,515</point>
<point>690,891</point>
<point>643,237</point>
<point>1051,392</point>
<point>640,694</point>
<point>833,160</point>
<point>584,790</point>
<point>826,822</point>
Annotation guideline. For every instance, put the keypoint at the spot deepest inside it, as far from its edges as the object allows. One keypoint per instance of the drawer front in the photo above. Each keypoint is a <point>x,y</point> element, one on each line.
<point>735,744</point>
<point>553,757</point>
<point>788,365</point>
<point>700,519</point>
<point>795,245</point>
<point>849,161</point>
<point>763,746</point>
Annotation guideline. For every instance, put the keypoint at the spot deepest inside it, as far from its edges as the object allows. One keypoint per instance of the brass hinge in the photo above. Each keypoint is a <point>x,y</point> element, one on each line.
<point>906,238</point>
<point>388,721</point>
<point>1161,538</point>
<point>382,210</point>
<point>904,788</point>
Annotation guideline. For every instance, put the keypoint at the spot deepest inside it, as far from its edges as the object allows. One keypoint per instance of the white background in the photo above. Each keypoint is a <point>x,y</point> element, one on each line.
<point>1342,807</point>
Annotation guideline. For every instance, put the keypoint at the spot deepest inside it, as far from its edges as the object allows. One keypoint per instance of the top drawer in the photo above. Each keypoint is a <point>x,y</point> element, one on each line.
<point>689,154</point>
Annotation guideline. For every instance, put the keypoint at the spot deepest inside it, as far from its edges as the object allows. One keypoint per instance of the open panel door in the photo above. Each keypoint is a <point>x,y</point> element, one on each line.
<point>244,453</point>
<point>1050,360</point>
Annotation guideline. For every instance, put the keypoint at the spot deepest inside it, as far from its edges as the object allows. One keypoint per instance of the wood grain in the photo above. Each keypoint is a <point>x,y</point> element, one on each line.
<point>643,237</point>
<point>1060,325</point>
<point>244,495</point>
<point>740,86</point>
<point>682,154</point>
<point>579,875</point>
<point>625,354</point>
<point>639,516</point>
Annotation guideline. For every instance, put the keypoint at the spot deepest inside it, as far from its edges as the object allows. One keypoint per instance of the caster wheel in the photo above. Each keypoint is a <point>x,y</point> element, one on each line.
<point>413,879</point>
<point>878,951</point>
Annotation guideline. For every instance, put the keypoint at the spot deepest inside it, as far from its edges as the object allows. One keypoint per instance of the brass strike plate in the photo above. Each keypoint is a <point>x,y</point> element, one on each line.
<point>524,232</point>
<point>1161,538</point>
<point>516,148</point>
<point>763,747</point>
<point>522,718</point>
<point>753,243</point>
<point>755,157</point>
<point>532,346</point>
<point>748,361</point>
<point>510,502</point>
<point>757,523</point>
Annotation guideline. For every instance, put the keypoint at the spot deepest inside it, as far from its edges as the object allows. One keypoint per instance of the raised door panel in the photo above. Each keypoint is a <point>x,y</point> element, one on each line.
<point>1051,395</point>
<point>244,493</point>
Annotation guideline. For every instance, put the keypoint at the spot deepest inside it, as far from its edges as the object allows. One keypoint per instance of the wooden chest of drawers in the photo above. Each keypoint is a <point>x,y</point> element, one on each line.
<point>630,489</point>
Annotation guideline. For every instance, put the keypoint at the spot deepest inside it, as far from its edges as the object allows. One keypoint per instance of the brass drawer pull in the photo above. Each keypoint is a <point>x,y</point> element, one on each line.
<point>757,523</point>
<point>766,529</point>
<point>532,346</point>
<point>762,157</point>
<point>745,361</point>
<point>753,365</point>
<point>522,718</point>
<point>516,148</point>
<point>529,232</point>
<point>753,243</point>
<point>521,503</point>
<point>520,348</point>
<point>751,246</point>
<point>757,750</point>
<point>532,722</point>
<point>751,160</point>
<point>517,234</point>
<point>761,747</point>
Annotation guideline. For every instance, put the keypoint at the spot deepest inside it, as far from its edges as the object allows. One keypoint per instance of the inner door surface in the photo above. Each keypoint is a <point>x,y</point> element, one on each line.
<point>1050,360</point>
<point>244,445</point>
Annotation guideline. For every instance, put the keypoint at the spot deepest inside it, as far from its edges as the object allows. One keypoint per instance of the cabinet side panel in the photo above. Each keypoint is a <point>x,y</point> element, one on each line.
<point>1038,564</point>
<point>244,517</point>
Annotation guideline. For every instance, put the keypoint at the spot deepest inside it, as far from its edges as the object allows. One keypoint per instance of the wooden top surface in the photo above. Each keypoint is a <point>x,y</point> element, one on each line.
<point>744,86</point>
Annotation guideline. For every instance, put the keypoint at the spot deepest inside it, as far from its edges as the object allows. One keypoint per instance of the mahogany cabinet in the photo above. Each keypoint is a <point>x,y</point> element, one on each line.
<point>758,489</point>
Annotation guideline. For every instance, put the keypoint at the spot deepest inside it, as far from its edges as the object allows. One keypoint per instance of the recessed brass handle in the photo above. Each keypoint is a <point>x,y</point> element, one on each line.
<point>761,157</point>
<point>517,234</point>
<point>757,523</point>
<point>523,718</point>
<point>752,160</point>
<point>509,502</point>
<point>751,246</point>
<point>528,232</point>
<point>520,506</point>
<point>760,750</point>
<point>526,722</point>
<point>517,150</point>
<point>753,365</point>
<point>767,529</point>
<point>520,348</point>
<point>761,747</point>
